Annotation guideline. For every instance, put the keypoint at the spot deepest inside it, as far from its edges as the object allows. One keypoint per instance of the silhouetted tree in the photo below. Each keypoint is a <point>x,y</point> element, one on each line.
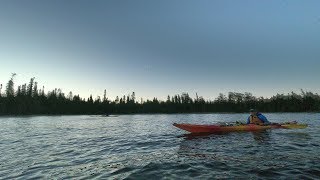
<point>30,100</point>
<point>30,87</point>
<point>10,86</point>
<point>70,96</point>
<point>116,100</point>
<point>35,89</point>
<point>168,99</point>
<point>0,89</point>
<point>105,95</point>
<point>24,89</point>
<point>133,97</point>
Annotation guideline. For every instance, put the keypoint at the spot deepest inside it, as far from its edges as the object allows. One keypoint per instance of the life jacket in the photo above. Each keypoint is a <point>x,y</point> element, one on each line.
<point>255,120</point>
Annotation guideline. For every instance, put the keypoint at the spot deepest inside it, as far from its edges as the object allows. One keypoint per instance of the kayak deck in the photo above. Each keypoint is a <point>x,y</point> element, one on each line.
<point>195,128</point>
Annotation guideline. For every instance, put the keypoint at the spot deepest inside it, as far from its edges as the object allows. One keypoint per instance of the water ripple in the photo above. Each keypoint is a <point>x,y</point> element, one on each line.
<point>149,147</point>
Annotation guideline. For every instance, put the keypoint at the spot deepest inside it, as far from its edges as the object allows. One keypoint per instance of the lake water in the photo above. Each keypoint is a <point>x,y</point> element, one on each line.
<point>149,147</point>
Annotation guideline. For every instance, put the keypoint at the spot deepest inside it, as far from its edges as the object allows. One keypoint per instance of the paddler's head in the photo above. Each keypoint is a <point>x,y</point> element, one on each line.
<point>253,112</point>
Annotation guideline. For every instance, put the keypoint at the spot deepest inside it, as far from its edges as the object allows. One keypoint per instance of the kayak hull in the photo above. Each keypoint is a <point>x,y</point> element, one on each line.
<point>195,128</point>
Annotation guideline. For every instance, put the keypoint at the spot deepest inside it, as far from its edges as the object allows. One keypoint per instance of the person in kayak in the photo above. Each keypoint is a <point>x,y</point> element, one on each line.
<point>257,118</point>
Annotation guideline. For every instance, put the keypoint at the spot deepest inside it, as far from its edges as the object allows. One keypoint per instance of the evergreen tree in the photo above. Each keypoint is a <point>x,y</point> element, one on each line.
<point>105,96</point>
<point>10,86</point>
<point>128,99</point>
<point>116,100</point>
<point>70,96</point>
<point>133,97</point>
<point>168,99</point>
<point>30,100</point>
<point>35,89</point>
<point>19,91</point>
<point>0,90</point>
<point>30,87</point>
<point>42,93</point>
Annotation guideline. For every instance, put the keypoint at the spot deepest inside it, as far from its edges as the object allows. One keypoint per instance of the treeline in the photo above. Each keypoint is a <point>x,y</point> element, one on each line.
<point>30,99</point>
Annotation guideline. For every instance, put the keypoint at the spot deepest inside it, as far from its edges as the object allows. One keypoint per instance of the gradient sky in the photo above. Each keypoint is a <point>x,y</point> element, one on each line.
<point>156,48</point>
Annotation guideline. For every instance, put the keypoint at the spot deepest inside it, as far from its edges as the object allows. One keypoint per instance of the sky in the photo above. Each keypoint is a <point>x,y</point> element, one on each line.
<point>160,48</point>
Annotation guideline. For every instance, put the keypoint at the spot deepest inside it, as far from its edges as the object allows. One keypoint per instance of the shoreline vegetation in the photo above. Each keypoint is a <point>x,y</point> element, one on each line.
<point>28,99</point>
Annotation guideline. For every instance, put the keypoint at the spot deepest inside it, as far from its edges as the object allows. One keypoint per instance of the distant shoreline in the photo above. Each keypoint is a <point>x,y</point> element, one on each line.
<point>112,115</point>
<point>28,99</point>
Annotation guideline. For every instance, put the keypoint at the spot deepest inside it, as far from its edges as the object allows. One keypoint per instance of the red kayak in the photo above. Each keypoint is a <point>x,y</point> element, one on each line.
<point>194,128</point>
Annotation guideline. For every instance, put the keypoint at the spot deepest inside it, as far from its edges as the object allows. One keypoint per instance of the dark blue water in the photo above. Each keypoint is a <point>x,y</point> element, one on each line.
<point>149,147</point>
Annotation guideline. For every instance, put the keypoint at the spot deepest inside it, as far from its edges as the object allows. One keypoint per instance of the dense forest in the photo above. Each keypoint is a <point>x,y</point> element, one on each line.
<point>30,99</point>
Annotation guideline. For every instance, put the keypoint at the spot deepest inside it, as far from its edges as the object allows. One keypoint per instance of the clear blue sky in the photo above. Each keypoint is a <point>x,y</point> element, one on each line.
<point>156,48</point>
